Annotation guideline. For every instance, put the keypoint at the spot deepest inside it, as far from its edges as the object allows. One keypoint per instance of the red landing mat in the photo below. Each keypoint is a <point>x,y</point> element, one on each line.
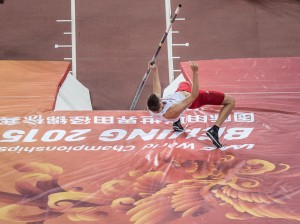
<point>124,167</point>
<point>30,85</point>
<point>262,83</point>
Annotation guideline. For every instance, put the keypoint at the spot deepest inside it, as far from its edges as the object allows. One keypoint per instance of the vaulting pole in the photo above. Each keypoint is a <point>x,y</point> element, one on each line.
<point>138,93</point>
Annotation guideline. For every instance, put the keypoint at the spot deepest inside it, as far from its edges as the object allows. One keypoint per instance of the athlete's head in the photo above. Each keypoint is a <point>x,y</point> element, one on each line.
<point>154,103</point>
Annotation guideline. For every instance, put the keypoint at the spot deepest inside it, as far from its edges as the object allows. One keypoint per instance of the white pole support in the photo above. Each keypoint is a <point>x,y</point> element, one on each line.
<point>169,40</point>
<point>73,31</point>
<point>73,37</point>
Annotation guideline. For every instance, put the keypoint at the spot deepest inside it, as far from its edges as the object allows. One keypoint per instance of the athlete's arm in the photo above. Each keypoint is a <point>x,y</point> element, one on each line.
<point>156,81</point>
<point>195,89</point>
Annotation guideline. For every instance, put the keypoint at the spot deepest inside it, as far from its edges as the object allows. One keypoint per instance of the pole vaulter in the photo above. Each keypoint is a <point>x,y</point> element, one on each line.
<point>138,93</point>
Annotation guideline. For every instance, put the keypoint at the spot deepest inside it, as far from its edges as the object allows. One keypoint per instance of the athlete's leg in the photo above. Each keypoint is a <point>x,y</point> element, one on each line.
<point>228,103</point>
<point>212,133</point>
<point>183,86</point>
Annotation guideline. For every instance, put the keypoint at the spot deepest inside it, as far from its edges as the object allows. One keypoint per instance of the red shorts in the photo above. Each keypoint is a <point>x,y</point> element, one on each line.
<point>204,97</point>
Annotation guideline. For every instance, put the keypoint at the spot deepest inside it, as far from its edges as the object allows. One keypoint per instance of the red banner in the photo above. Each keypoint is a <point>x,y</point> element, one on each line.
<point>125,167</point>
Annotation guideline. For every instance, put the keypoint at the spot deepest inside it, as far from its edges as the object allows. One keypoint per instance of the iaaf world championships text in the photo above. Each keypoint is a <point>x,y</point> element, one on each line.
<point>116,148</point>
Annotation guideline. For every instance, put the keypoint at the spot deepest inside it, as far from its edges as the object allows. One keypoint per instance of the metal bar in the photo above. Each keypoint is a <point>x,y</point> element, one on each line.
<point>61,46</point>
<point>186,44</point>
<point>63,20</point>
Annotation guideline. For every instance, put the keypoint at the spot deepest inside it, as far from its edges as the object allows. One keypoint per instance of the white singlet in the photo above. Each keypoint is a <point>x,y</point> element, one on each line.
<point>168,101</point>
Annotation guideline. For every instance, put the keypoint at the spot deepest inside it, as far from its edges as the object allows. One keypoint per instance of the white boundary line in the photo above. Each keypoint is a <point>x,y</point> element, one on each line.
<point>249,93</point>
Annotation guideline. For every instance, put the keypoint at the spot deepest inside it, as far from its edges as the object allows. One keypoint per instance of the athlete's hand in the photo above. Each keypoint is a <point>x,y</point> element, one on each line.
<point>153,67</point>
<point>194,66</point>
